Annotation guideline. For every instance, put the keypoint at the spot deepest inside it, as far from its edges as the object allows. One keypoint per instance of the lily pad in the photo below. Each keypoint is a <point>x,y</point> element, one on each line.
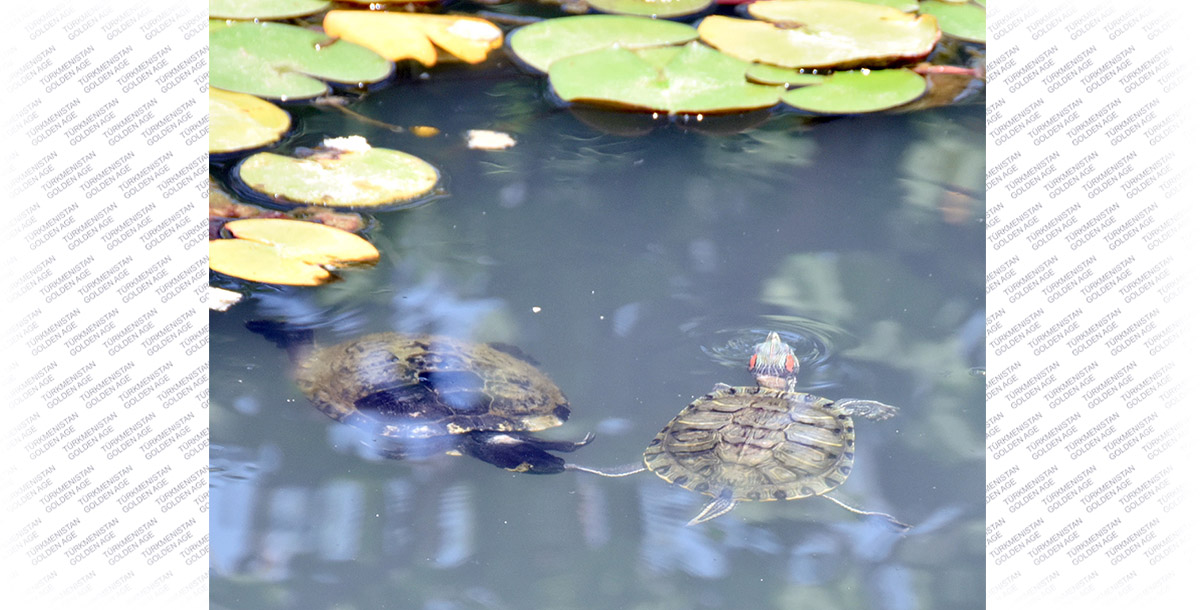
<point>826,34</point>
<point>285,62</point>
<point>264,9</point>
<point>774,75</point>
<point>398,36</point>
<point>340,174</point>
<point>540,44</point>
<point>691,79</point>
<point>284,251</point>
<point>859,91</point>
<point>661,9</point>
<point>908,6</point>
<point>962,20</point>
<point>239,122</point>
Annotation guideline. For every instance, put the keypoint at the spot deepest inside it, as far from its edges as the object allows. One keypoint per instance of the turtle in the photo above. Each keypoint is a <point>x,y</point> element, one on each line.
<point>417,395</point>
<point>759,443</point>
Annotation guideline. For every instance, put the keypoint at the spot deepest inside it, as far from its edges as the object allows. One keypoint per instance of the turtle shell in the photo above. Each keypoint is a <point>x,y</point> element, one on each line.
<point>758,443</point>
<point>424,386</point>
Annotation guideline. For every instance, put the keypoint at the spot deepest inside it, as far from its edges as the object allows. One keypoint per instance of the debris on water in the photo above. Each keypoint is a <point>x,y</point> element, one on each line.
<point>483,139</point>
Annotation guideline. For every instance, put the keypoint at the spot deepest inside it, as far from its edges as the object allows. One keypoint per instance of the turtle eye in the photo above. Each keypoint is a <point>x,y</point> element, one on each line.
<point>753,361</point>
<point>790,363</point>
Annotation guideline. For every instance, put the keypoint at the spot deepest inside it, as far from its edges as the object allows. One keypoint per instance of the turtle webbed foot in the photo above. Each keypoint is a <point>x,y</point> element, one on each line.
<point>519,453</point>
<point>870,409</point>
<point>561,446</point>
<point>719,506</point>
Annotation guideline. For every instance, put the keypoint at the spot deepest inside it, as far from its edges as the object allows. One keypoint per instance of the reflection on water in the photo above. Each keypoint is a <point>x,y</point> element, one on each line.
<point>638,271</point>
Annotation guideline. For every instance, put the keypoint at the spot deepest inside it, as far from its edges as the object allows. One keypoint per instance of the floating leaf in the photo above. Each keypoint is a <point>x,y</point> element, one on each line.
<point>908,6</point>
<point>539,44</point>
<point>774,75</point>
<point>286,62</point>
<point>823,34</point>
<point>858,91</point>
<point>238,121</point>
<point>220,299</point>
<point>398,36</point>
<point>961,20</point>
<point>347,173</point>
<point>283,251</point>
<point>662,9</point>
<point>690,79</point>
<point>264,9</point>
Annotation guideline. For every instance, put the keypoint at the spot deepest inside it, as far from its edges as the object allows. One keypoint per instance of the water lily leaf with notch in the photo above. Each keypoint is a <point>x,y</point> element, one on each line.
<point>357,177</point>
<point>285,62</point>
<point>962,20</point>
<point>661,9</point>
<point>689,79</point>
<point>264,9</point>
<point>538,45</point>
<point>239,121</point>
<point>284,251</point>
<point>859,91</point>
<point>398,36</point>
<point>827,34</point>
<point>774,75</point>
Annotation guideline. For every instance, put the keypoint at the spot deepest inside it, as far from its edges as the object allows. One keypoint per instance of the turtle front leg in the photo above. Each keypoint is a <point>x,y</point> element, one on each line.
<point>511,452</point>
<point>562,446</point>
<point>870,409</point>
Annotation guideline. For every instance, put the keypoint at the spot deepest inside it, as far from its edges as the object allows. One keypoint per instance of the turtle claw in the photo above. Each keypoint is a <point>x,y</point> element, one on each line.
<point>719,506</point>
<point>560,446</point>
<point>870,409</point>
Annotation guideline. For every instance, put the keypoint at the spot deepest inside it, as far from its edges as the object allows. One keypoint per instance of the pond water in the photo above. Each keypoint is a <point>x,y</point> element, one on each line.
<point>638,270</point>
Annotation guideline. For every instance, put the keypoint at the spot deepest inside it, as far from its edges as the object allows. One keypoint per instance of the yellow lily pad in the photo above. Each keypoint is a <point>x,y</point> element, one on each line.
<point>398,36</point>
<point>825,34</point>
<point>239,121</point>
<point>284,251</point>
<point>342,173</point>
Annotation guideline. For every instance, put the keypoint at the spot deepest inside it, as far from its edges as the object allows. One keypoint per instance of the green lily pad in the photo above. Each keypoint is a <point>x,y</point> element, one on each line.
<point>774,75</point>
<point>285,62</point>
<point>238,121</point>
<point>961,20</point>
<point>827,34</point>
<point>539,44</point>
<point>343,173</point>
<point>264,9</point>
<point>285,251</point>
<point>661,9</point>
<point>908,6</point>
<point>859,91</point>
<point>689,79</point>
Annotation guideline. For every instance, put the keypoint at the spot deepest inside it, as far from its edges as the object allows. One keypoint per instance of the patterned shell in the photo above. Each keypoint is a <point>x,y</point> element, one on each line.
<point>758,443</point>
<point>425,386</point>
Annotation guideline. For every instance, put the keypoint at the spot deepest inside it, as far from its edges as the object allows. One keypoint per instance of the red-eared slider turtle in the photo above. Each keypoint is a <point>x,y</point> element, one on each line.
<point>418,395</point>
<point>768,442</point>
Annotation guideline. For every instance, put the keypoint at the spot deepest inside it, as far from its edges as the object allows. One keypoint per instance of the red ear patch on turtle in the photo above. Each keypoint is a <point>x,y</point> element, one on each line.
<point>753,360</point>
<point>790,363</point>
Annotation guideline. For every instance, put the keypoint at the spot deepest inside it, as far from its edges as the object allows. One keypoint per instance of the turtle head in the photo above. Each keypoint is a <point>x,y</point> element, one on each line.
<point>774,363</point>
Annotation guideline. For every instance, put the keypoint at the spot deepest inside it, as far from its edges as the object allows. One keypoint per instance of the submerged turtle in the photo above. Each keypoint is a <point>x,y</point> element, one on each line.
<point>769,442</point>
<point>419,395</point>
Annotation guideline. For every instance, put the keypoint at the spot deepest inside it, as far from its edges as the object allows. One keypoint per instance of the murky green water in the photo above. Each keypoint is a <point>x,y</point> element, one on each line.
<point>638,270</point>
